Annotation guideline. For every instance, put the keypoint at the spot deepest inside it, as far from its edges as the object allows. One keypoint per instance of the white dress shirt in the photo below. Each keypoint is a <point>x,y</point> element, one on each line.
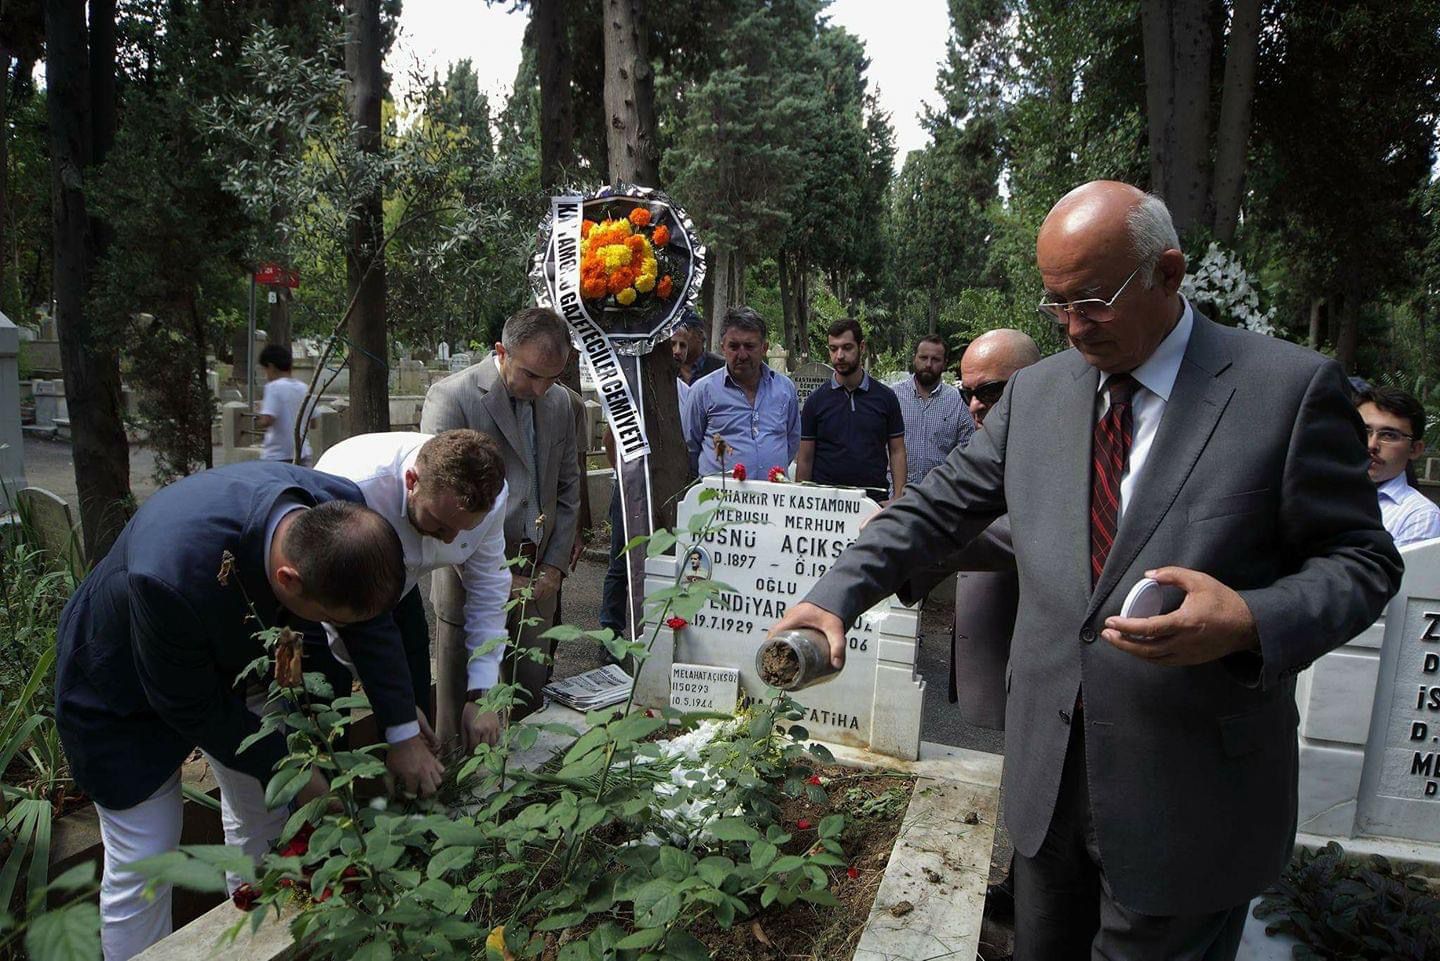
<point>1155,379</point>
<point>1408,515</point>
<point>377,464</point>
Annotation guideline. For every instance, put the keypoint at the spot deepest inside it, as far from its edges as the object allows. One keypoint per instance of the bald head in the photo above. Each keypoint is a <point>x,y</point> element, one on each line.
<point>990,360</point>
<point>1109,242</point>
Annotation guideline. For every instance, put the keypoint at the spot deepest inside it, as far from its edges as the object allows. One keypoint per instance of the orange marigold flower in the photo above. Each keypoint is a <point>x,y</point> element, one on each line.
<point>586,226</point>
<point>665,286</point>
<point>592,289</point>
<point>640,216</point>
<point>618,282</point>
<point>661,236</point>
<point>636,243</point>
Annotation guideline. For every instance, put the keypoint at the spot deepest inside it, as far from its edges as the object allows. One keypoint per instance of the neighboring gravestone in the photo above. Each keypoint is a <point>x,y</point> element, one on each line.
<point>12,446</point>
<point>47,520</point>
<point>810,376</point>
<point>442,353</point>
<point>778,541</point>
<point>1369,754</point>
<point>1400,788</point>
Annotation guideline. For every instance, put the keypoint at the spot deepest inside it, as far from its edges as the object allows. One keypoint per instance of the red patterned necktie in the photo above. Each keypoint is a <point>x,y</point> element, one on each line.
<point>1109,448</point>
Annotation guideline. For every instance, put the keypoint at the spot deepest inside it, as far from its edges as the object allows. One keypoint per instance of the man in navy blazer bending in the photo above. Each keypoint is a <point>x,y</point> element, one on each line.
<point>152,643</point>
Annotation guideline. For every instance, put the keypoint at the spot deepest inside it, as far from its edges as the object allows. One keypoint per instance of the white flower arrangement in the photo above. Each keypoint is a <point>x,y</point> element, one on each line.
<point>1223,282</point>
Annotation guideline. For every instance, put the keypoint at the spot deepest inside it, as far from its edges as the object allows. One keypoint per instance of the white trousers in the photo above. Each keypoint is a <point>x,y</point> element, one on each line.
<point>131,922</point>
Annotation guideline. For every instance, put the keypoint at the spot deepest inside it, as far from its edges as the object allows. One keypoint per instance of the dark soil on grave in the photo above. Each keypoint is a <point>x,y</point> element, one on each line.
<point>778,666</point>
<point>804,931</point>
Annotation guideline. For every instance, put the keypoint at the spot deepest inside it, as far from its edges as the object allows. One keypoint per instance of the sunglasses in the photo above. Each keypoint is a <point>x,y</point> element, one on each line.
<point>988,393</point>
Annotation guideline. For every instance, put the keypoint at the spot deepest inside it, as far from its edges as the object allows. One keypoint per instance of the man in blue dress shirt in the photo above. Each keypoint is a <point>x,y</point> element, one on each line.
<point>755,409</point>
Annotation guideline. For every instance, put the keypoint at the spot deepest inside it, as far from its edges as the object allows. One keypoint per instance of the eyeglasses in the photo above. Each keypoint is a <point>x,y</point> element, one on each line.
<point>988,393</point>
<point>1092,309</point>
<point>1387,435</point>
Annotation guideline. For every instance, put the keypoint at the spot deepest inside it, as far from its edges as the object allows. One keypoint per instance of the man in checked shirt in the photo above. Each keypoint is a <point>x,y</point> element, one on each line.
<point>936,421</point>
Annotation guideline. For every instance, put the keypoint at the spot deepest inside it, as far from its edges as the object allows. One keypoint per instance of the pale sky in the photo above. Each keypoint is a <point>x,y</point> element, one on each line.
<point>905,40</point>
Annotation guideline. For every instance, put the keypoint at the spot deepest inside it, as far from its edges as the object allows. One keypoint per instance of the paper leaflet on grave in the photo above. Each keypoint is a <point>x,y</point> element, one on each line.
<point>592,690</point>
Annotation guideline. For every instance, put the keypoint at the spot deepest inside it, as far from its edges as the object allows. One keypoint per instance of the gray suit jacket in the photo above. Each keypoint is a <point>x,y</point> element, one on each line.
<point>1256,477</point>
<point>476,398</point>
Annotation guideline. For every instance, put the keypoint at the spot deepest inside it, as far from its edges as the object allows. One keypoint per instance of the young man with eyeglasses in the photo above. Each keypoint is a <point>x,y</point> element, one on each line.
<point>1395,437</point>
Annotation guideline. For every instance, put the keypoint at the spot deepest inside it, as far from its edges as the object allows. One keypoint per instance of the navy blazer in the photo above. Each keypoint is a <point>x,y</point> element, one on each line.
<point>151,644</point>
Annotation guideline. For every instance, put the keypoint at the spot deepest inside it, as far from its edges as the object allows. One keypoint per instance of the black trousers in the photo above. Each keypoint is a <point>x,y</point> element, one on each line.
<point>415,636</point>
<point>1065,910</point>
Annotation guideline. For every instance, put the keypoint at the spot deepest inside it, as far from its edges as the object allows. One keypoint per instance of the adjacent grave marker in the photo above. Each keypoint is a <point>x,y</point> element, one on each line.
<point>699,687</point>
<point>1400,787</point>
<point>809,376</point>
<point>779,539</point>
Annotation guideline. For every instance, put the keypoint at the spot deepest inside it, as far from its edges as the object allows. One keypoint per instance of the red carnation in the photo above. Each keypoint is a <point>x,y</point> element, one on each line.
<point>324,896</point>
<point>675,623</point>
<point>814,779</point>
<point>649,713</point>
<point>777,475</point>
<point>739,472</point>
<point>803,824</point>
<point>852,872</point>
<point>245,897</point>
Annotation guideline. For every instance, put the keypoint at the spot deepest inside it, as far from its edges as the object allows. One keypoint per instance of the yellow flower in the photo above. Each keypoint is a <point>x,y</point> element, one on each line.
<point>644,283</point>
<point>496,943</point>
<point>627,296</point>
<point>615,255</point>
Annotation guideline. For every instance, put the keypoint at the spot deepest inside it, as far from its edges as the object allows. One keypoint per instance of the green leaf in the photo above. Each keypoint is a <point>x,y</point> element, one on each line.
<point>831,825</point>
<point>786,864</point>
<point>820,896</point>
<point>675,864</point>
<point>179,868</point>
<point>452,833</point>
<point>77,877</point>
<point>761,854</point>
<point>798,733</point>
<point>285,785</point>
<point>732,829</point>
<point>715,869</point>
<point>686,947</point>
<point>656,904</point>
<point>71,933</point>
<point>558,922</point>
<point>660,542</point>
<point>230,859</point>
<point>374,951</point>
<point>563,632</point>
<point>449,859</point>
<point>640,939</point>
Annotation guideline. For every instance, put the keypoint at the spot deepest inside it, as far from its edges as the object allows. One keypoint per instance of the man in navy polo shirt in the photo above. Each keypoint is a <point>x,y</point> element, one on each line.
<point>851,432</point>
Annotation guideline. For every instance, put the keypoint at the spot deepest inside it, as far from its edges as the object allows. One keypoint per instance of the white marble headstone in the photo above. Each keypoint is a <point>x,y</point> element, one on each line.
<point>779,539</point>
<point>1400,786</point>
<point>809,376</point>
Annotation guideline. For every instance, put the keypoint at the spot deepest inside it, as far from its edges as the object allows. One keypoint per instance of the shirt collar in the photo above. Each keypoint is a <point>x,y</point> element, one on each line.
<point>864,381</point>
<point>1395,488</point>
<point>1160,369</point>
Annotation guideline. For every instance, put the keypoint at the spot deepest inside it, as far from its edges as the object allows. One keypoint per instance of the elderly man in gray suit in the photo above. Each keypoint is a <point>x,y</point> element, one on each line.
<point>1150,763</point>
<point>515,397</point>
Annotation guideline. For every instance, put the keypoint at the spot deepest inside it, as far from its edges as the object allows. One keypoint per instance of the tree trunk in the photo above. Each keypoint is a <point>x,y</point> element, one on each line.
<point>91,365</point>
<point>202,380</point>
<point>1232,134</point>
<point>629,96</point>
<point>1177,37</point>
<point>802,305</point>
<point>4,160</point>
<point>557,112</point>
<point>932,312</point>
<point>364,256</point>
<point>1317,322</point>
<point>720,294</point>
<point>278,329</point>
<point>789,337</point>
<point>1347,339</point>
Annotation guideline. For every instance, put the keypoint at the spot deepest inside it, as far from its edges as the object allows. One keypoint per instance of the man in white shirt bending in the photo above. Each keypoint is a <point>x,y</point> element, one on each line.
<point>280,407</point>
<point>445,496</point>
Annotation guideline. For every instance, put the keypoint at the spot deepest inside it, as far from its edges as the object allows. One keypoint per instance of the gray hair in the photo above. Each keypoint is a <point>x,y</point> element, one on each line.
<point>744,318</point>
<point>534,323</point>
<point>1152,232</point>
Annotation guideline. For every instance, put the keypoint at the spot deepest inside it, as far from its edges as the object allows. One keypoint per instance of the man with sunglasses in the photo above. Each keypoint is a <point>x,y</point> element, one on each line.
<point>1150,762</point>
<point>987,365</point>
<point>1395,437</point>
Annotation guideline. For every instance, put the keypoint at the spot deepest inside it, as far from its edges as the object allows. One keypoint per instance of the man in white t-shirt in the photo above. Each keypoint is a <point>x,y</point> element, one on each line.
<point>280,407</point>
<point>445,495</point>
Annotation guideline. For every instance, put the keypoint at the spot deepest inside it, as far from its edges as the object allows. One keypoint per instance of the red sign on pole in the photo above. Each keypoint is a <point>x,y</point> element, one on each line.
<point>273,275</point>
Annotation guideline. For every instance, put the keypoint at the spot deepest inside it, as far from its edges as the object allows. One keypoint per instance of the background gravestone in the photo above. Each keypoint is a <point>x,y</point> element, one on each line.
<point>1365,769</point>
<point>47,520</point>
<point>778,541</point>
<point>12,448</point>
<point>809,376</point>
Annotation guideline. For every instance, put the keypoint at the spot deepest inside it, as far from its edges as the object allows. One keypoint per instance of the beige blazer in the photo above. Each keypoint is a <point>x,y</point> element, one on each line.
<point>476,398</point>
